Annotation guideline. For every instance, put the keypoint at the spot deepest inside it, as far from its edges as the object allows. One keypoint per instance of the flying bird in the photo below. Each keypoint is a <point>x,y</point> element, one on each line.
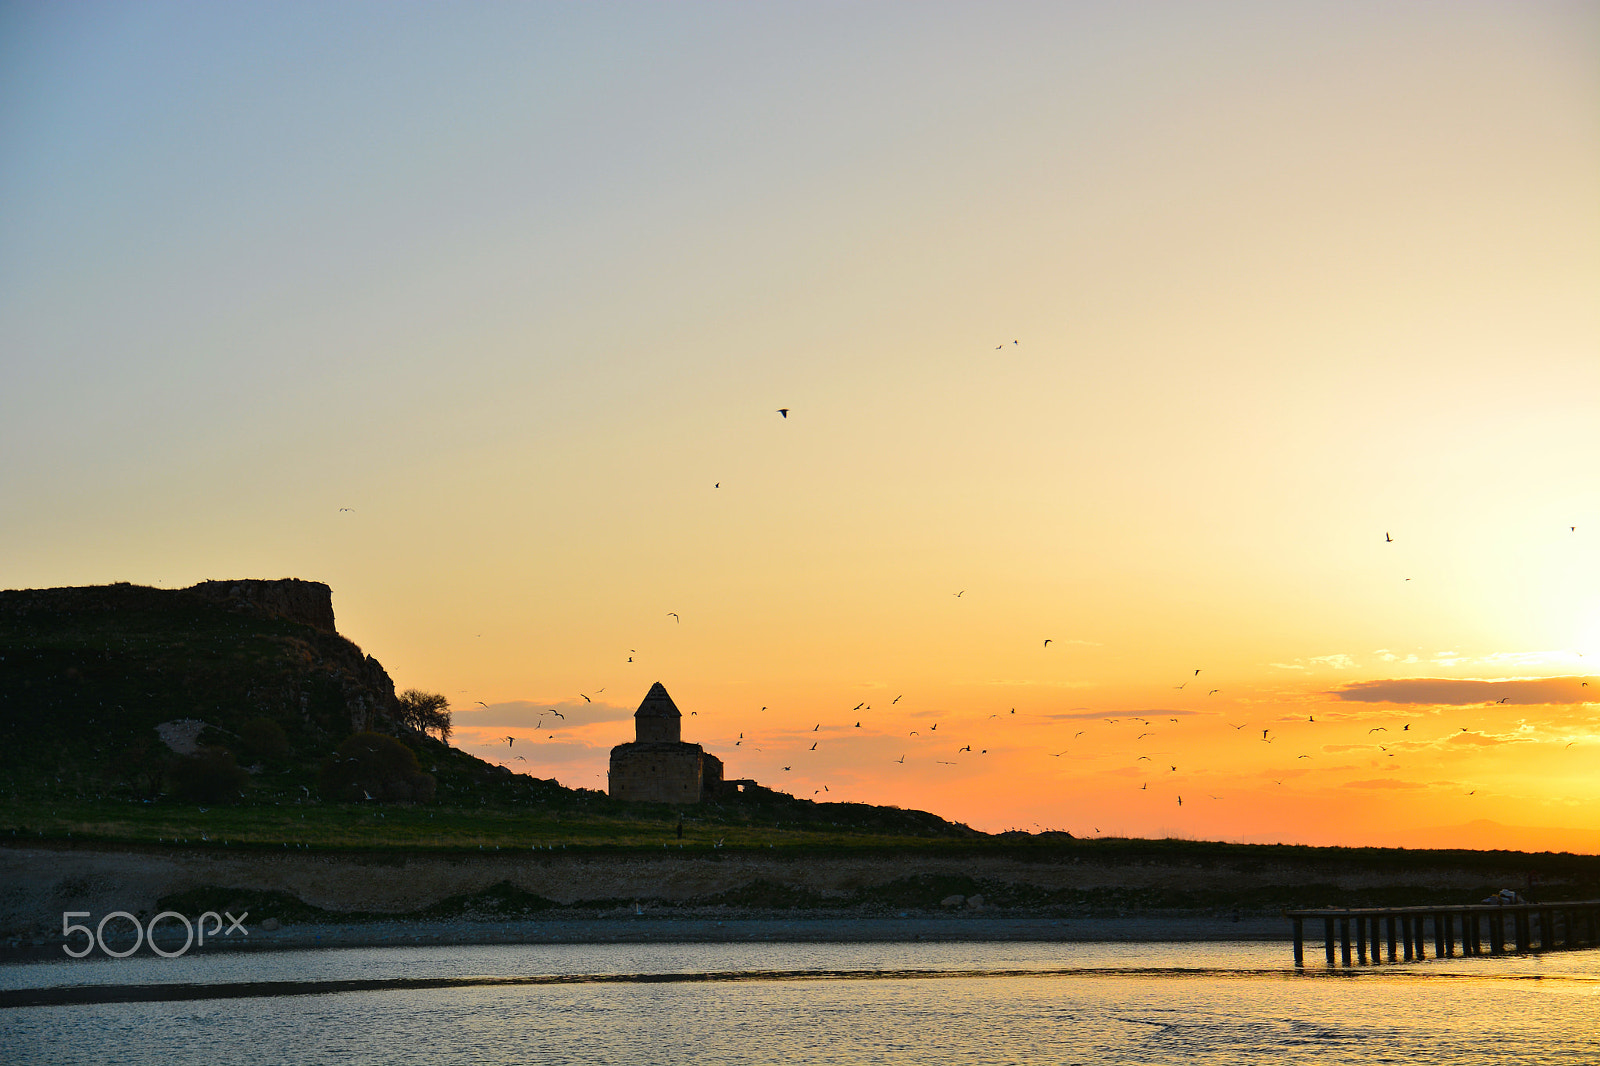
<point>784,411</point>
<point>558,714</point>
<point>1047,643</point>
<point>675,617</point>
<point>901,759</point>
<point>960,594</point>
<point>1388,539</point>
<point>1378,729</point>
<point>895,700</point>
<point>586,699</point>
<point>1213,692</point>
<point>967,748</point>
<point>813,746</point>
<point>510,741</point>
<point>480,703</point>
<point>352,510</point>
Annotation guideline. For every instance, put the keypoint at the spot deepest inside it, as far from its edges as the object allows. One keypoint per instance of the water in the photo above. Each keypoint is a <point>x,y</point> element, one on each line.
<point>826,1003</point>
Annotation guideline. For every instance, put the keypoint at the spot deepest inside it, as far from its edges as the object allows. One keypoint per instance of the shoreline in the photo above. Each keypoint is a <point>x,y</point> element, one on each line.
<point>635,929</point>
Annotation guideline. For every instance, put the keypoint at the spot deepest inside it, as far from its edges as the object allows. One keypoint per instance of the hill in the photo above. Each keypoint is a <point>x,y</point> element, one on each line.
<point>124,709</point>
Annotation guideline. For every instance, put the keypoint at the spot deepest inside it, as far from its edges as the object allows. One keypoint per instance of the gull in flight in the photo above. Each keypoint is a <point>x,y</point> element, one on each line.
<point>784,411</point>
<point>675,617</point>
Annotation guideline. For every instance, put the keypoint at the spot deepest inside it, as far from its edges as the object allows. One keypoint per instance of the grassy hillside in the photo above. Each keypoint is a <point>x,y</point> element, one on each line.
<point>87,675</point>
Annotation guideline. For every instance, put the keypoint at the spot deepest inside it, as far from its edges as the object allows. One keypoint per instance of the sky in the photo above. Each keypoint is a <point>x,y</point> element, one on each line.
<point>1246,353</point>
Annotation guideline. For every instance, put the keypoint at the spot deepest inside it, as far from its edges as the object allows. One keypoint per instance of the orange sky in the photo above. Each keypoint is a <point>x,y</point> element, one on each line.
<point>1253,339</point>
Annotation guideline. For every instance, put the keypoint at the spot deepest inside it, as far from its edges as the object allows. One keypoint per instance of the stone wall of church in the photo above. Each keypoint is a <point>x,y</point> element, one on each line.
<point>657,773</point>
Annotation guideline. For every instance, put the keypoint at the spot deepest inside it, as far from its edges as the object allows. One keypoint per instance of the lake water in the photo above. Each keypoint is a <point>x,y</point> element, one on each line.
<point>824,1003</point>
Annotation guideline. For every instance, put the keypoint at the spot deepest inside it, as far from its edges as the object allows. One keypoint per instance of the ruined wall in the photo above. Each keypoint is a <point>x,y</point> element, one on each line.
<point>307,602</point>
<point>656,773</point>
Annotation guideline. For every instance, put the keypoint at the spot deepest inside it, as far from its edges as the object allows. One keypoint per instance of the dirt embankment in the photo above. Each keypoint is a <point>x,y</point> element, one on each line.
<point>39,883</point>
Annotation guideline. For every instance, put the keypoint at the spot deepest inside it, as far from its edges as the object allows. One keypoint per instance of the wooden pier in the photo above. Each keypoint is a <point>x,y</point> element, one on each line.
<point>1477,929</point>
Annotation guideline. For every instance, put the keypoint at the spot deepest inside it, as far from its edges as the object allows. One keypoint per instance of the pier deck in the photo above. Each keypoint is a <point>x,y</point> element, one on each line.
<point>1479,929</point>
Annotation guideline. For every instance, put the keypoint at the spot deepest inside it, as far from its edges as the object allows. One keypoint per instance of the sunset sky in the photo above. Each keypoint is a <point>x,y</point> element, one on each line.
<point>1247,352</point>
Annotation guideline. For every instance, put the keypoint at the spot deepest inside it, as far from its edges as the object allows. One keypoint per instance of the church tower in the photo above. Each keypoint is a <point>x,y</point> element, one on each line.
<point>657,721</point>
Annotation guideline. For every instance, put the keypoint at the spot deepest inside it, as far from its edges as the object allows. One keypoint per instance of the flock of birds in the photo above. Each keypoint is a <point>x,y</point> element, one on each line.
<point>1268,735</point>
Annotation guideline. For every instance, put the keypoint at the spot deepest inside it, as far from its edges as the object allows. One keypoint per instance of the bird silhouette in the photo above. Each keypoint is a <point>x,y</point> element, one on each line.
<point>1388,539</point>
<point>561,716</point>
<point>784,411</point>
<point>901,759</point>
<point>1239,726</point>
<point>586,699</point>
<point>1047,643</point>
<point>813,746</point>
<point>480,703</point>
<point>894,701</point>
<point>675,617</point>
<point>510,741</point>
<point>934,727</point>
<point>967,748</point>
<point>816,727</point>
<point>960,594</point>
<point>1378,729</point>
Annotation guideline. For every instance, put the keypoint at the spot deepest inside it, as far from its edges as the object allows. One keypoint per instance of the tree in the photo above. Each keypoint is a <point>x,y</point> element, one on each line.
<point>371,766</point>
<point>426,712</point>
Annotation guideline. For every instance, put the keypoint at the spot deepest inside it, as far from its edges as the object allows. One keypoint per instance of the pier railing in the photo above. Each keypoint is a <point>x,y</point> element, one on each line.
<point>1479,929</point>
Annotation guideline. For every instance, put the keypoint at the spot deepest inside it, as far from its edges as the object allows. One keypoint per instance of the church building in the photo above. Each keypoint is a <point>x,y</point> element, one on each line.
<point>658,767</point>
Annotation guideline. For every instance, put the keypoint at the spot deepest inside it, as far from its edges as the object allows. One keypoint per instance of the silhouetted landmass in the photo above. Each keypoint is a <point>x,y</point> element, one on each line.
<point>254,679</point>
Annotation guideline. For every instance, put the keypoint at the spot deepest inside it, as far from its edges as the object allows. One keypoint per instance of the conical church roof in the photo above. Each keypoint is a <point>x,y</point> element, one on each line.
<point>657,704</point>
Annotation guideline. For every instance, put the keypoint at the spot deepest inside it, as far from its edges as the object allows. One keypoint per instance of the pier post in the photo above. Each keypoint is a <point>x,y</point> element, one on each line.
<point>1388,921</point>
<point>1441,935</point>
<point>1327,938</point>
<point>1420,927</point>
<point>1361,938</point>
<point>1520,925</point>
<point>1497,932</point>
<point>1405,935</point>
<point>1344,941</point>
<point>1299,943</point>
